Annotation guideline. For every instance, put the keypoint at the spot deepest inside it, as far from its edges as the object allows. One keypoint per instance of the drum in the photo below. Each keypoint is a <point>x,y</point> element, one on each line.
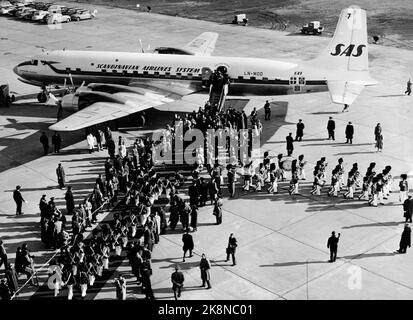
<point>286,164</point>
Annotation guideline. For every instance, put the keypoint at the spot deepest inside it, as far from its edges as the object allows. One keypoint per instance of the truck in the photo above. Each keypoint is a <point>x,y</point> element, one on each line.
<point>312,27</point>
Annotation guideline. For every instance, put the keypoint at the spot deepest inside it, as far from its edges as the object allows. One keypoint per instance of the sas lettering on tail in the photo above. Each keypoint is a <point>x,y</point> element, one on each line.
<point>348,51</point>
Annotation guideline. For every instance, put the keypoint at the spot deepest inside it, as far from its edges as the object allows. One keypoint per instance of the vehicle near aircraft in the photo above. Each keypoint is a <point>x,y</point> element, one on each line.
<point>112,85</point>
<point>83,15</point>
<point>314,27</point>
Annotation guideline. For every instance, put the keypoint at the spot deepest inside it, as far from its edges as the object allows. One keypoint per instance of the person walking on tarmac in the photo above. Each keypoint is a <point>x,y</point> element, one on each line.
<point>205,265</point>
<point>177,279</point>
<point>231,248</point>
<point>405,240</point>
<point>56,142</point>
<point>332,244</point>
<point>409,88</point>
<point>44,140</point>
<point>267,110</point>
<point>331,126</point>
<point>60,172</point>
<point>188,242</point>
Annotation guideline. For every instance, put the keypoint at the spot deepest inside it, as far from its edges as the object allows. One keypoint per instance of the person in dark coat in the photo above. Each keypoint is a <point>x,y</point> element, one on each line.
<point>188,244</point>
<point>11,277</point>
<point>332,244</point>
<point>193,194</point>
<point>218,211</point>
<point>205,265</point>
<point>405,240</point>
<point>44,208</point>
<point>331,126</point>
<point>56,142</point>
<point>3,255</point>
<point>177,279</point>
<point>203,191</point>
<point>194,217</point>
<point>267,110</point>
<point>70,201</point>
<point>4,290</point>
<point>300,131</point>
<point>18,198</point>
<point>162,217</point>
<point>349,133</point>
<point>146,272</point>
<point>44,140</point>
<point>290,144</point>
<point>111,147</point>
<point>60,172</point>
<point>231,181</point>
<point>231,248</point>
<point>408,209</point>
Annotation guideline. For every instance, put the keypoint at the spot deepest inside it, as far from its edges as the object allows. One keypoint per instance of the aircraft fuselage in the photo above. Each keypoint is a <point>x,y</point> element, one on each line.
<point>248,76</point>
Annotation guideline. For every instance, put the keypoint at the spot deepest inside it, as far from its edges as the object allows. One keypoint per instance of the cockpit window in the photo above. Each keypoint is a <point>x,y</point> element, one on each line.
<point>35,62</point>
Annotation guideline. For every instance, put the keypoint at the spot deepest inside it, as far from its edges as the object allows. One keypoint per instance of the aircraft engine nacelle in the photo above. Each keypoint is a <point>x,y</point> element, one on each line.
<point>71,102</point>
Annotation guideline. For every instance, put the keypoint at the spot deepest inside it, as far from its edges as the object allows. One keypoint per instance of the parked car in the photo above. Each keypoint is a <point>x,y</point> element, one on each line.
<point>29,14</point>
<point>72,11</point>
<point>18,9</point>
<point>40,15</point>
<point>21,13</point>
<point>7,9</point>
<point>57,8</point>
<point>83,15</point>
<point>5,4</point>
<point>54,18</point>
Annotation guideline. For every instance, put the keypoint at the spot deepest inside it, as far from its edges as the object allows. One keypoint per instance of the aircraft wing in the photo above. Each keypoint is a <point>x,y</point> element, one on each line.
<point>344,92</point>
<point>116,101</point>
<point>203,45</point>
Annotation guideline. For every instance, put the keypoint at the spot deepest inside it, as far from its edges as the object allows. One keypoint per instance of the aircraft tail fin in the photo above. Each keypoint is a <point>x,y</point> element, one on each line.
<point>345,60</point>
<point>347,50</point>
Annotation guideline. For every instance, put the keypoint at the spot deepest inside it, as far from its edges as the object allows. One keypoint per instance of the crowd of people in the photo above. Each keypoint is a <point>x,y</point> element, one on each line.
<point>132,184</point>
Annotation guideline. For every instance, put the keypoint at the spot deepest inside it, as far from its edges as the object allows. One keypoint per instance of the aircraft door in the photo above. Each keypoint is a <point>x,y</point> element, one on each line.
<point>206,74</point>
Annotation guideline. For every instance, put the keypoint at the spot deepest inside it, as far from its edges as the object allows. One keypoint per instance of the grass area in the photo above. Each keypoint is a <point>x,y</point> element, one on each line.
<point>392,20</point>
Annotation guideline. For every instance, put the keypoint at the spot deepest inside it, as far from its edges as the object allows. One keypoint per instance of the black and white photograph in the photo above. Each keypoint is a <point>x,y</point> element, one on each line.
<point>234,151</point>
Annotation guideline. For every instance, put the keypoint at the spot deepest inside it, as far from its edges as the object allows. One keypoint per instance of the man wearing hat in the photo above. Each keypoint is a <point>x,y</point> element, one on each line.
<point>405,240</point>
<point>349,133</point>
<point>300,131</point>
<point>60,172</point>
<point>331,126</point>
<point>18,198</point>
<point>177,279</point>
<point>408,208</point>
<point>332,244</point>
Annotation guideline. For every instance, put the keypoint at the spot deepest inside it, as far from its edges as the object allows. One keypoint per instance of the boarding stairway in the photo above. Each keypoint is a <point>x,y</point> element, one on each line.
<point>218,89</point>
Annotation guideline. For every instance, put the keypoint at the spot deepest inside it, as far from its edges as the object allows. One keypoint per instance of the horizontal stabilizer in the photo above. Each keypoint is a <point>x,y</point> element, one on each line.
<point>344,92</point>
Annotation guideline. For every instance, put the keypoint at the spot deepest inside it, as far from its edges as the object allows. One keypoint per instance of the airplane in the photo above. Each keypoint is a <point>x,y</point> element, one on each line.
<point>117,84</point>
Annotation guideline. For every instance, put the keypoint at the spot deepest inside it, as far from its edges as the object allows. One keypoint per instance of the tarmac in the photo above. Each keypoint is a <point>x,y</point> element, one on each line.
<point>282,251</point>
